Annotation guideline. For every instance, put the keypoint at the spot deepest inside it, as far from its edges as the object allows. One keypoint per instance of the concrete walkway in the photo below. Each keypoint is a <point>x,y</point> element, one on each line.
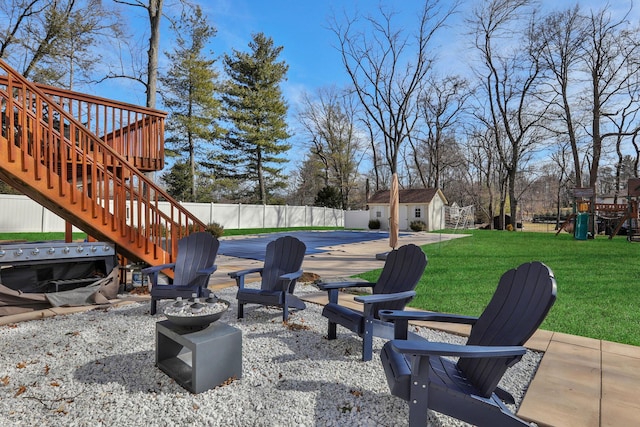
<point>580,382</point>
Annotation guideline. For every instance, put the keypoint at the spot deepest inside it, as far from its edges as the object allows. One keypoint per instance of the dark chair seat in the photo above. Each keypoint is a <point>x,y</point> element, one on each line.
<point>341,315</point>
<point>262,297</point>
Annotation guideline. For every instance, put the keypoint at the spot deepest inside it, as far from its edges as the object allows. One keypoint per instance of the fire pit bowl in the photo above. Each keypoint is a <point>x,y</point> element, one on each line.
<point>187,317</point>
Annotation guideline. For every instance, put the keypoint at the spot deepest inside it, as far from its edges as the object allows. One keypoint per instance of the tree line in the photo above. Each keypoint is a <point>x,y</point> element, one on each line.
<point>546,102</point>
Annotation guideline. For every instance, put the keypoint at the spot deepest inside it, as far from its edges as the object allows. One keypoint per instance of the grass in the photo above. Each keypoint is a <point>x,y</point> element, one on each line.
<point>598,280</point>
<point>38,237</point>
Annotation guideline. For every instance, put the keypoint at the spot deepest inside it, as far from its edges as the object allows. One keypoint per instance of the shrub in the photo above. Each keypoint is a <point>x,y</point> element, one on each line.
<point>215,229</point>
<point>374,224</point>
<point>418,225</point>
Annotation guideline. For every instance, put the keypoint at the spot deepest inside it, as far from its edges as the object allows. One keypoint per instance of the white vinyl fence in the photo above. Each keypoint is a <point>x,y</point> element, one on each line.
<point>21,214</point>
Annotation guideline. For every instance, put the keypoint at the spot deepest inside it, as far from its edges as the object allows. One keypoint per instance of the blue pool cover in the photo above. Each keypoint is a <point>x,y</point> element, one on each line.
<point>255,247</point>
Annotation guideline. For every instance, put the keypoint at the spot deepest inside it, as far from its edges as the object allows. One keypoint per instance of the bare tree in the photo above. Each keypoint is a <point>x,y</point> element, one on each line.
<point>561,42</point>
<point>329,123</point>
<point>510,77</point>
<point>611,63</point>
<point>485,172</point>
<point>16,14</point>
<point>387,70</point>
<point>434,148</point>
<point>55,42</point>
<point>154,12</point>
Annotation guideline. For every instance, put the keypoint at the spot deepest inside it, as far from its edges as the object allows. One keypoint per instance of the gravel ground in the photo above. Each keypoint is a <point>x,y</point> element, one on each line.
<point>97,368</point>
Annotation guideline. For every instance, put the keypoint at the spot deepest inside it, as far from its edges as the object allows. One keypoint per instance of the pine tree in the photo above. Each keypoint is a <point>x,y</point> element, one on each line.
<point>189,94</point>
<point>256,110</point>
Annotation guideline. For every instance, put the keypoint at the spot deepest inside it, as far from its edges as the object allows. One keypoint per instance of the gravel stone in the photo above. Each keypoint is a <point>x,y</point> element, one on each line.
<point>97,368</point>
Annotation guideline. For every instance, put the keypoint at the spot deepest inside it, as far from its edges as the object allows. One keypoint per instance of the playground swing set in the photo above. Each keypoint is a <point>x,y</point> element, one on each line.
<point>589,218</point>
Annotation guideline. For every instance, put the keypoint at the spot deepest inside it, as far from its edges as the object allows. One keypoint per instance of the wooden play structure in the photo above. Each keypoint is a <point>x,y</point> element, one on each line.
<point>590,218</point>
<point>86,158</point>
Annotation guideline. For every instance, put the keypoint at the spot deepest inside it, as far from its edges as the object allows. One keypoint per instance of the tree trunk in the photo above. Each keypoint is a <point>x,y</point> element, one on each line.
<point>155,15</point>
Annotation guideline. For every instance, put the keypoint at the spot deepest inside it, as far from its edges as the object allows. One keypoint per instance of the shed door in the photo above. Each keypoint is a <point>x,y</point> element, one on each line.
<point>403,223</point>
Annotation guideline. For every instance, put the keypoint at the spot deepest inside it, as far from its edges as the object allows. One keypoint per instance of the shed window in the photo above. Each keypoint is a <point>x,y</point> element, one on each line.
<point>418,213</point>
<point>378,214</point>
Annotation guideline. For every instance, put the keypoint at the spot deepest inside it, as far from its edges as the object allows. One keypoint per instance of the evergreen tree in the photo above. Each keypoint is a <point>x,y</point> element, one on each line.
<point>179,180</point>
<point>329,197</point>
<point>189,95</point>
<point>256,110</point>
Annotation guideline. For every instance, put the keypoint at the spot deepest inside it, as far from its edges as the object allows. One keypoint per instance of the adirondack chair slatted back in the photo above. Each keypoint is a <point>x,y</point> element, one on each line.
<point>284,255</point>
<point>522,300</point>
<point>402,272</point>
<point>196,251</point>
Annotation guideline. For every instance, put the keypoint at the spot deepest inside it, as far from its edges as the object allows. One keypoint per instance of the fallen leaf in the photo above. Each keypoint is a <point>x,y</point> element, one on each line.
<point>5,380</point>
<point>21,390</point>
<point>21,365</point>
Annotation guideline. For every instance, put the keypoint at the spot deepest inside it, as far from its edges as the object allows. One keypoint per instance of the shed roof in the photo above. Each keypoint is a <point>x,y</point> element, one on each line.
<point>414,195</point>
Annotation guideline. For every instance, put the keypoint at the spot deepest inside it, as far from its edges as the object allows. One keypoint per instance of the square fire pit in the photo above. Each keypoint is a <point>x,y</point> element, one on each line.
<point>199,360</point>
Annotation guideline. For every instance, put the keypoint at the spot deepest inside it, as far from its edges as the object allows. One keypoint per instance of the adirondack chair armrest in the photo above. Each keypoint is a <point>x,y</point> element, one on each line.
<point>207,271</point>
<point>288,278</point>
<point>153,271</point>
<point>392,315</point>
<point>156,268</point>
<point>239,275</point>
<point>291,276</point>
<point>401,318</point>
<point>341,285</point>
<point>371,299</point>
<point>430,348</point>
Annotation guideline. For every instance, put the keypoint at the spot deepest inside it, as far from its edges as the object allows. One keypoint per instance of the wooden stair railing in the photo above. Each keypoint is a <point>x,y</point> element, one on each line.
<point>47,154</point>
<point>137,133</point>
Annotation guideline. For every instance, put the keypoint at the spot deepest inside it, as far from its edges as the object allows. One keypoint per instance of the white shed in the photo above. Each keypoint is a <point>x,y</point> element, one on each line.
<point>422,204</point>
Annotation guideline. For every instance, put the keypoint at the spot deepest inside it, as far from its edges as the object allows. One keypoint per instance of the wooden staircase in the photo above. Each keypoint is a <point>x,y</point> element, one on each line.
<point>84,158</point>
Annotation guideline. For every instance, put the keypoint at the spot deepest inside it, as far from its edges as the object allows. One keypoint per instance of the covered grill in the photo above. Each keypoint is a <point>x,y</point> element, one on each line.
<point>45,267</point>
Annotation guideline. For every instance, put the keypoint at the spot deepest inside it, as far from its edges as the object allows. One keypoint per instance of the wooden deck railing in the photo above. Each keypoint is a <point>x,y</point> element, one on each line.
<point>47,153</point>
<point>137,133</point>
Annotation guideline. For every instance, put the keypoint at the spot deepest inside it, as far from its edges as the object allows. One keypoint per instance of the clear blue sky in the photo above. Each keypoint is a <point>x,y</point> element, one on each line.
<point>301,27</point>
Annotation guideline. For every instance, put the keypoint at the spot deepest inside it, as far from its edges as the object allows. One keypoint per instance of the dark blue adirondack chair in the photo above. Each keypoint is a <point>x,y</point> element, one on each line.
<point>402,270</point>
<point>195,262</point>
<point>281,270</point>
<point>420,373</point>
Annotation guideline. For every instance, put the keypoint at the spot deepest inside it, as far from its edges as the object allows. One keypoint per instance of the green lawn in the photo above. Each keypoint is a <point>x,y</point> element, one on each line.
<point>39,237</point>
<point>598,280</point>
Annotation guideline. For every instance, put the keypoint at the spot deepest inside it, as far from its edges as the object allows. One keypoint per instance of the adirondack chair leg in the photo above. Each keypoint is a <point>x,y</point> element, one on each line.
<point>367,340</point>
<point>285,311</point>
<point>331,331</point>
<point>240,311</point>
<point>153,309</point>
<point>419,393</point>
